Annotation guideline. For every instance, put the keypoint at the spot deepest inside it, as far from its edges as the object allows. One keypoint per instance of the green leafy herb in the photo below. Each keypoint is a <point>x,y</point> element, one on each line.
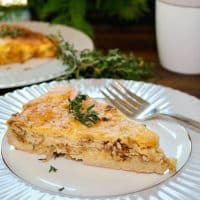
<point>94,64</point>
<point>52,169</point>
<point>42,159</point>
<point>10,31</point>
<point>87,117</point>
<point>80,13</point>
<point>61,189</point>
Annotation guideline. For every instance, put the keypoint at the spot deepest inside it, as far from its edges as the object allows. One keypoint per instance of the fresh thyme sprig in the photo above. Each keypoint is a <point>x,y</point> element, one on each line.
<point>94,64</point>
<point>87,117</point>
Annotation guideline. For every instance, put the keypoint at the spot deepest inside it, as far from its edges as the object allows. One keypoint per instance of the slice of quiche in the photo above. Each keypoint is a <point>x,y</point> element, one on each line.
<point>18,44</point>
<point>78,127</point>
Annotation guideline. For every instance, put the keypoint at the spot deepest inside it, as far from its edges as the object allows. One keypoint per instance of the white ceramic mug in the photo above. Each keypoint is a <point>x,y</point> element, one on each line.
<point>178,35</point>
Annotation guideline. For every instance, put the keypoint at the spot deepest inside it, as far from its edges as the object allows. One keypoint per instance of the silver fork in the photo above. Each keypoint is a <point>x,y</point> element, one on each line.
<point>135,107</point>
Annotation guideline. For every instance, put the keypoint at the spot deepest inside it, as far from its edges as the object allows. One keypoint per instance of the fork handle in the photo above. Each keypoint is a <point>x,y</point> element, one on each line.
<point>182,119</point>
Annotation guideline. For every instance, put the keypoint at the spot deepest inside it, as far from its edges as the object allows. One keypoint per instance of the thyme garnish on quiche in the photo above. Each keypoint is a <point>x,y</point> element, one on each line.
<point>95,64</point>
<point>88,117</point>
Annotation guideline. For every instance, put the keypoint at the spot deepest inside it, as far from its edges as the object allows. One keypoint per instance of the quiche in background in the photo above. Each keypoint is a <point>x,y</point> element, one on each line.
<point>64,122</point>
<point>19,44</point>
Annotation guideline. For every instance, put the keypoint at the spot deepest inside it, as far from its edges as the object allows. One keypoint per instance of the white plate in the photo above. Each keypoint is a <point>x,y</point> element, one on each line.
<point>87,181</point>
<point>80,180</point>
<point>41,69</point>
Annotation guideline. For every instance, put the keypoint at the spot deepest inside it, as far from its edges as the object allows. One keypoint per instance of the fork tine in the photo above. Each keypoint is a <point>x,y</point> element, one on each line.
<point>129,100</point>
<point>122,102</point>
<point>139,99</point>
<point>119,106</point>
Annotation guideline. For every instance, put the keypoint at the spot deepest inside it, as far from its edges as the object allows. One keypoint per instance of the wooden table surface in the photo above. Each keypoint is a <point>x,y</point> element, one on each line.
<point>141,40</point>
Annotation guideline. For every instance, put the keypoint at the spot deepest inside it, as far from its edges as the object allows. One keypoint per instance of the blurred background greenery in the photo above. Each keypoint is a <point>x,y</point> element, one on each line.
<point>82,14</point>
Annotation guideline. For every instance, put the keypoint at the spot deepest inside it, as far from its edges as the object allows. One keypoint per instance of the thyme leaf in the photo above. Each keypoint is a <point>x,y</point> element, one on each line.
<point>61,189</point>
<point>42,159</point>
<point>52,169</point>
<point>88,117</point>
